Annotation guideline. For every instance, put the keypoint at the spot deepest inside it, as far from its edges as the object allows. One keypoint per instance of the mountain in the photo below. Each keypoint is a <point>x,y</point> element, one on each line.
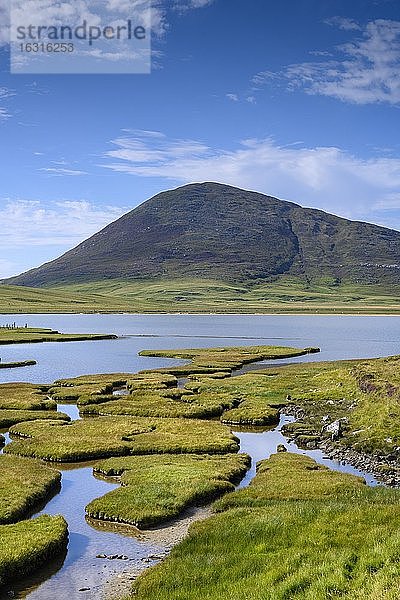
<point>214,231</point>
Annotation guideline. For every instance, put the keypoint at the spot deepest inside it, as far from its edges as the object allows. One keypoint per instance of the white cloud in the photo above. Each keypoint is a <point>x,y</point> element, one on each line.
<point>4,114</point>
<point>233,97</point>
<point>5,94</point>
<point>60,172</point>
<point>322,177</point>
<point>344,23</point>
<point>366,70</point>
<point>192,4</point>
<point>32,223</point>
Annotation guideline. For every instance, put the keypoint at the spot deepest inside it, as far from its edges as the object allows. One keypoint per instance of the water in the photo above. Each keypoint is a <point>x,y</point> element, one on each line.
<point>81,568</point>
<point>264,443</point>
<point>338,336</point>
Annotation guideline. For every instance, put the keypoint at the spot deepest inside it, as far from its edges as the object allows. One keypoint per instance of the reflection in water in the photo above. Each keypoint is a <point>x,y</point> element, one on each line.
<point>81,568</point>
<point>71,410</point>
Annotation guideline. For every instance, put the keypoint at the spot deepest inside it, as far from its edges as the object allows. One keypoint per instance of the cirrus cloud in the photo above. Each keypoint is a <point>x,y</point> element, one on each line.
<point>365,70</point>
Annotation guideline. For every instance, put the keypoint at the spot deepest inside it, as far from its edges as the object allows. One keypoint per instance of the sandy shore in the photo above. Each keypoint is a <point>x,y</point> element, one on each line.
<point>165,538</point>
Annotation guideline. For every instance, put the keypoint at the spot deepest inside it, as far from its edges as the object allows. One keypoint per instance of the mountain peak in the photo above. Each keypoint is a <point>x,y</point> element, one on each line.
<point>212,230</point>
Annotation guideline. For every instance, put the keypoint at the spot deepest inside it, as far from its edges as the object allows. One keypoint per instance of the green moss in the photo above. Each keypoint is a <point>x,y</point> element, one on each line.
<point>157,488</point>
<point>28,545</point>
<point>24,484</point>
<point>97,438</point>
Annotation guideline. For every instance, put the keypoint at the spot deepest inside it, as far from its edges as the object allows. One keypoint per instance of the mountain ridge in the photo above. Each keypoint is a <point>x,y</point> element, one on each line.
<point>222,232</point>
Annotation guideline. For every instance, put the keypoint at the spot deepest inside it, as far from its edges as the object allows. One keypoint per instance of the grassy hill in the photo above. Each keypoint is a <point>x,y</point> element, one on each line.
<point>214,248</point>
<point>287,295</point>
<point>218,232</point>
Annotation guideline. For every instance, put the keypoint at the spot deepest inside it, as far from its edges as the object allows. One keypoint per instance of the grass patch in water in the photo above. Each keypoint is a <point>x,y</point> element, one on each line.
<point>9,418</point>
<point>30,335</point>
<point>28,545</point>
<point>172,403</point>
<point>24,484</point>
<point>104,437</point>
<point>211,360</point>
<point>14,365</point>
<point>25,396</point>
<point>155,489</point>
<point>287,476</point>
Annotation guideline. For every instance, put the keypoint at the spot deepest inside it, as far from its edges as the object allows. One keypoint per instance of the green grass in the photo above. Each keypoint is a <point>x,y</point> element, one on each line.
<point>155,393</point>
<point>24,396</point>
<point>8,418</point>
<point>225,359</point>
<point>196,295</point>
<point>14,365</point>
<point>118,436</point>
<point>288,551</point>
<point>155,489</point>
<point>299,532</point>
<point>141,404</point>
<point>29,335</point>
<point>24,484</point>
<point>283,295</point>
<point>287,476</point>
<point>28,545</point>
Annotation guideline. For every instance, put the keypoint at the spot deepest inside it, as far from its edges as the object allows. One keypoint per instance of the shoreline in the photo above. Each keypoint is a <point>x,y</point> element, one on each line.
<point>166,536</point>
<point>212,314</point>
<point>360,460</point>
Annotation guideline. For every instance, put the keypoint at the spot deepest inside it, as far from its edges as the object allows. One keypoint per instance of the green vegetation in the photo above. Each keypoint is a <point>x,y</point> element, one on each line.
<point>25,396</point>
<point>26,402</point>
<point>24,484</point>
<point>21,363</point>
<point>284,295</point>
<point>8,418</point>
<point>211,360</point>
<point>141,404</point>
<point>98,438</point>
<point>287,476</point>
<point>157,488</point>
<point>271,543</point>
<point>25,300</point>
<point>210,393</point>
<point>243,239</point>
<point>27,545</point>
<point>30,335</point>
<point>364,394</point>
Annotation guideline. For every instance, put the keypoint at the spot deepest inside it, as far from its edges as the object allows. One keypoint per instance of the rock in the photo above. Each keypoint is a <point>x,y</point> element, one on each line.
<point>84,589</point>
<point>281,448</point>
<point>335,429</point>
<point>288,397</point>
<point>101,556</point>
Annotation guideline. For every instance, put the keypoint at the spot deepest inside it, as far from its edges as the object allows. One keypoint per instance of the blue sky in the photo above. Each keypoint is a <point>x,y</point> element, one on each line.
<point>298,99</point>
